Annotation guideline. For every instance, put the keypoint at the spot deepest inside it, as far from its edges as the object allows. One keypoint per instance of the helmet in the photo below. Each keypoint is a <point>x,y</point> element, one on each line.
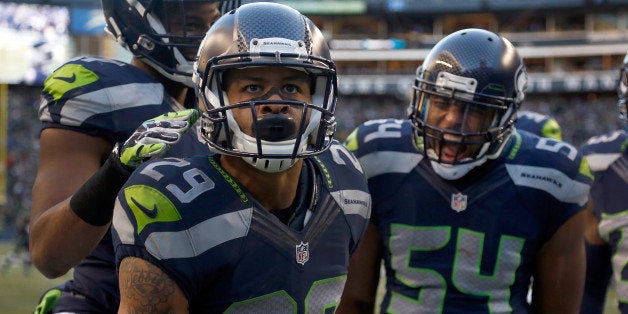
<point>466,94</point>
<point>622,90</point>
<point>150,30</point>
<point>269,35</point>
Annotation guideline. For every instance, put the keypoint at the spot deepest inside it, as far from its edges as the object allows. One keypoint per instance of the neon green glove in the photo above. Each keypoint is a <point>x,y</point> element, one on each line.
<point>155,136</point>
<point>48,301</point>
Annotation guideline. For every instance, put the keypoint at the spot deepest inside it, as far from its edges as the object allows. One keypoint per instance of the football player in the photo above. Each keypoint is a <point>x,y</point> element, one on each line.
<point>607,253</point>
<point>539,124</point>
<point>267,224</point>
<point>465,209</point>
<point>91,103</point>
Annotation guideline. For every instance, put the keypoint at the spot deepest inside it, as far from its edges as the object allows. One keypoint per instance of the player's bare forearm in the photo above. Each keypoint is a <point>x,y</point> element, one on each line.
<point>144,288</point>
<point>58,238</point>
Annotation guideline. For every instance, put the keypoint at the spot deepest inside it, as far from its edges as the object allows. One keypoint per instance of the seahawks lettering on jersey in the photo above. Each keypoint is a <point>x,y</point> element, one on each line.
<point>108,99</point>
<point>467,245</point>
<point>608,156</point>
<point>229,254</point>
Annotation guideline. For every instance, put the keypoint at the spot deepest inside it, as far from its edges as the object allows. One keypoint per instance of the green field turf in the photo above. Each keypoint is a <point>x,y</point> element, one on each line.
<point>19,292</point>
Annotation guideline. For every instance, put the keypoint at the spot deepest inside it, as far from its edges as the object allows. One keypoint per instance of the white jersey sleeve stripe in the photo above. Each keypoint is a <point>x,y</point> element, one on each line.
<point>551,180</point>
<point>84,106</point>
<point>377,163</point>
<point>354,202</point>
<point>191,242</point>
<point>601,162</point>
<point>121,224</point>
<point>201,237</point>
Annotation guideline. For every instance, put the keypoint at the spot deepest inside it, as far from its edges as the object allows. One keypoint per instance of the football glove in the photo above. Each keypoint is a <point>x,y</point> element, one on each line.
<point>155,136</point>
<point>48,301</point>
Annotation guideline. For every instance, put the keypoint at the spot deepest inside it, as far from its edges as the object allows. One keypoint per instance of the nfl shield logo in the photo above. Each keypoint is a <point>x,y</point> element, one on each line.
<point>458,202</point>
<point>302,253</point>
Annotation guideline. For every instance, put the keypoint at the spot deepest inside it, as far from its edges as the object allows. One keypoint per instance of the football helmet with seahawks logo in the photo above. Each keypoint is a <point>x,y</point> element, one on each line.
<point>264,34</point>
<point>165,34</point>
<point>466,94</point>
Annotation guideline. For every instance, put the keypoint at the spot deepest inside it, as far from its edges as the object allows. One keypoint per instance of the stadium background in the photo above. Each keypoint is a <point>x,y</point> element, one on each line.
<point>572,48</point>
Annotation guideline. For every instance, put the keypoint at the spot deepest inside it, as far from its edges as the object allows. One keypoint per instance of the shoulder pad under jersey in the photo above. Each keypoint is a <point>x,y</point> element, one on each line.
<point>384,146</point>
<point>89,94</point>
<point>602,150</point>
<point>539,124</point>
<point>547,164</point>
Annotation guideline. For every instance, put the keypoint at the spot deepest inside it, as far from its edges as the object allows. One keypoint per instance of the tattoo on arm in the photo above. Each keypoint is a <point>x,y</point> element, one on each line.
<point>146,286</point>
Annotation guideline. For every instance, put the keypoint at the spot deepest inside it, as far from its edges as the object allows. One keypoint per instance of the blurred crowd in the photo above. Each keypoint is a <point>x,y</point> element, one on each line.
<point>580,116</point>
<point>39,19</point>
<point>39,33</point>
<point>22,155</point>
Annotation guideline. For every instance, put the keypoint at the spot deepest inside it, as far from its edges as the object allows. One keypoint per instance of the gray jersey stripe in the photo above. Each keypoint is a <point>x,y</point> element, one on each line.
<point>43,113</point>
<point>551,180</point>
<point>122,225</point>
<point>600,162</point>
<point>354,202</point>
<point>84,106</point>
<point>201,237</point>
<point>610,223</point>
<point>377,163</point>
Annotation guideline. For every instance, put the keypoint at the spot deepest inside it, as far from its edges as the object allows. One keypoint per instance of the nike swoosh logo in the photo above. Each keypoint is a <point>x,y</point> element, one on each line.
<point>69,79</point>
<point>151,213</point>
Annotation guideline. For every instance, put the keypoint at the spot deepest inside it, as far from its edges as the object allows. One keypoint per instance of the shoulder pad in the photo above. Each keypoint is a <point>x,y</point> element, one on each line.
<point>603,150</point>
<point>554,166</point>
<point>384,146</point>
<point>86,94</point>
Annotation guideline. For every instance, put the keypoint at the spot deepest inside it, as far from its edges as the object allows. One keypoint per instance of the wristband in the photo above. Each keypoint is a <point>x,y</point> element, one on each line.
<point>94,201</point>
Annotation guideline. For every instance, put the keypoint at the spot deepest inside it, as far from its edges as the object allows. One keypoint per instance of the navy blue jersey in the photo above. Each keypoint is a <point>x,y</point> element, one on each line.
<point>539,124</point>
<point>226,252</point>
<point>108,99</point>
<point>465,246</point>
<point>608,157</point>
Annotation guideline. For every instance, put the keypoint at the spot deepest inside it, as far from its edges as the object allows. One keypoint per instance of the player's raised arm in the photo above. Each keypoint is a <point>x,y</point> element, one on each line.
<point>89,209</point>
